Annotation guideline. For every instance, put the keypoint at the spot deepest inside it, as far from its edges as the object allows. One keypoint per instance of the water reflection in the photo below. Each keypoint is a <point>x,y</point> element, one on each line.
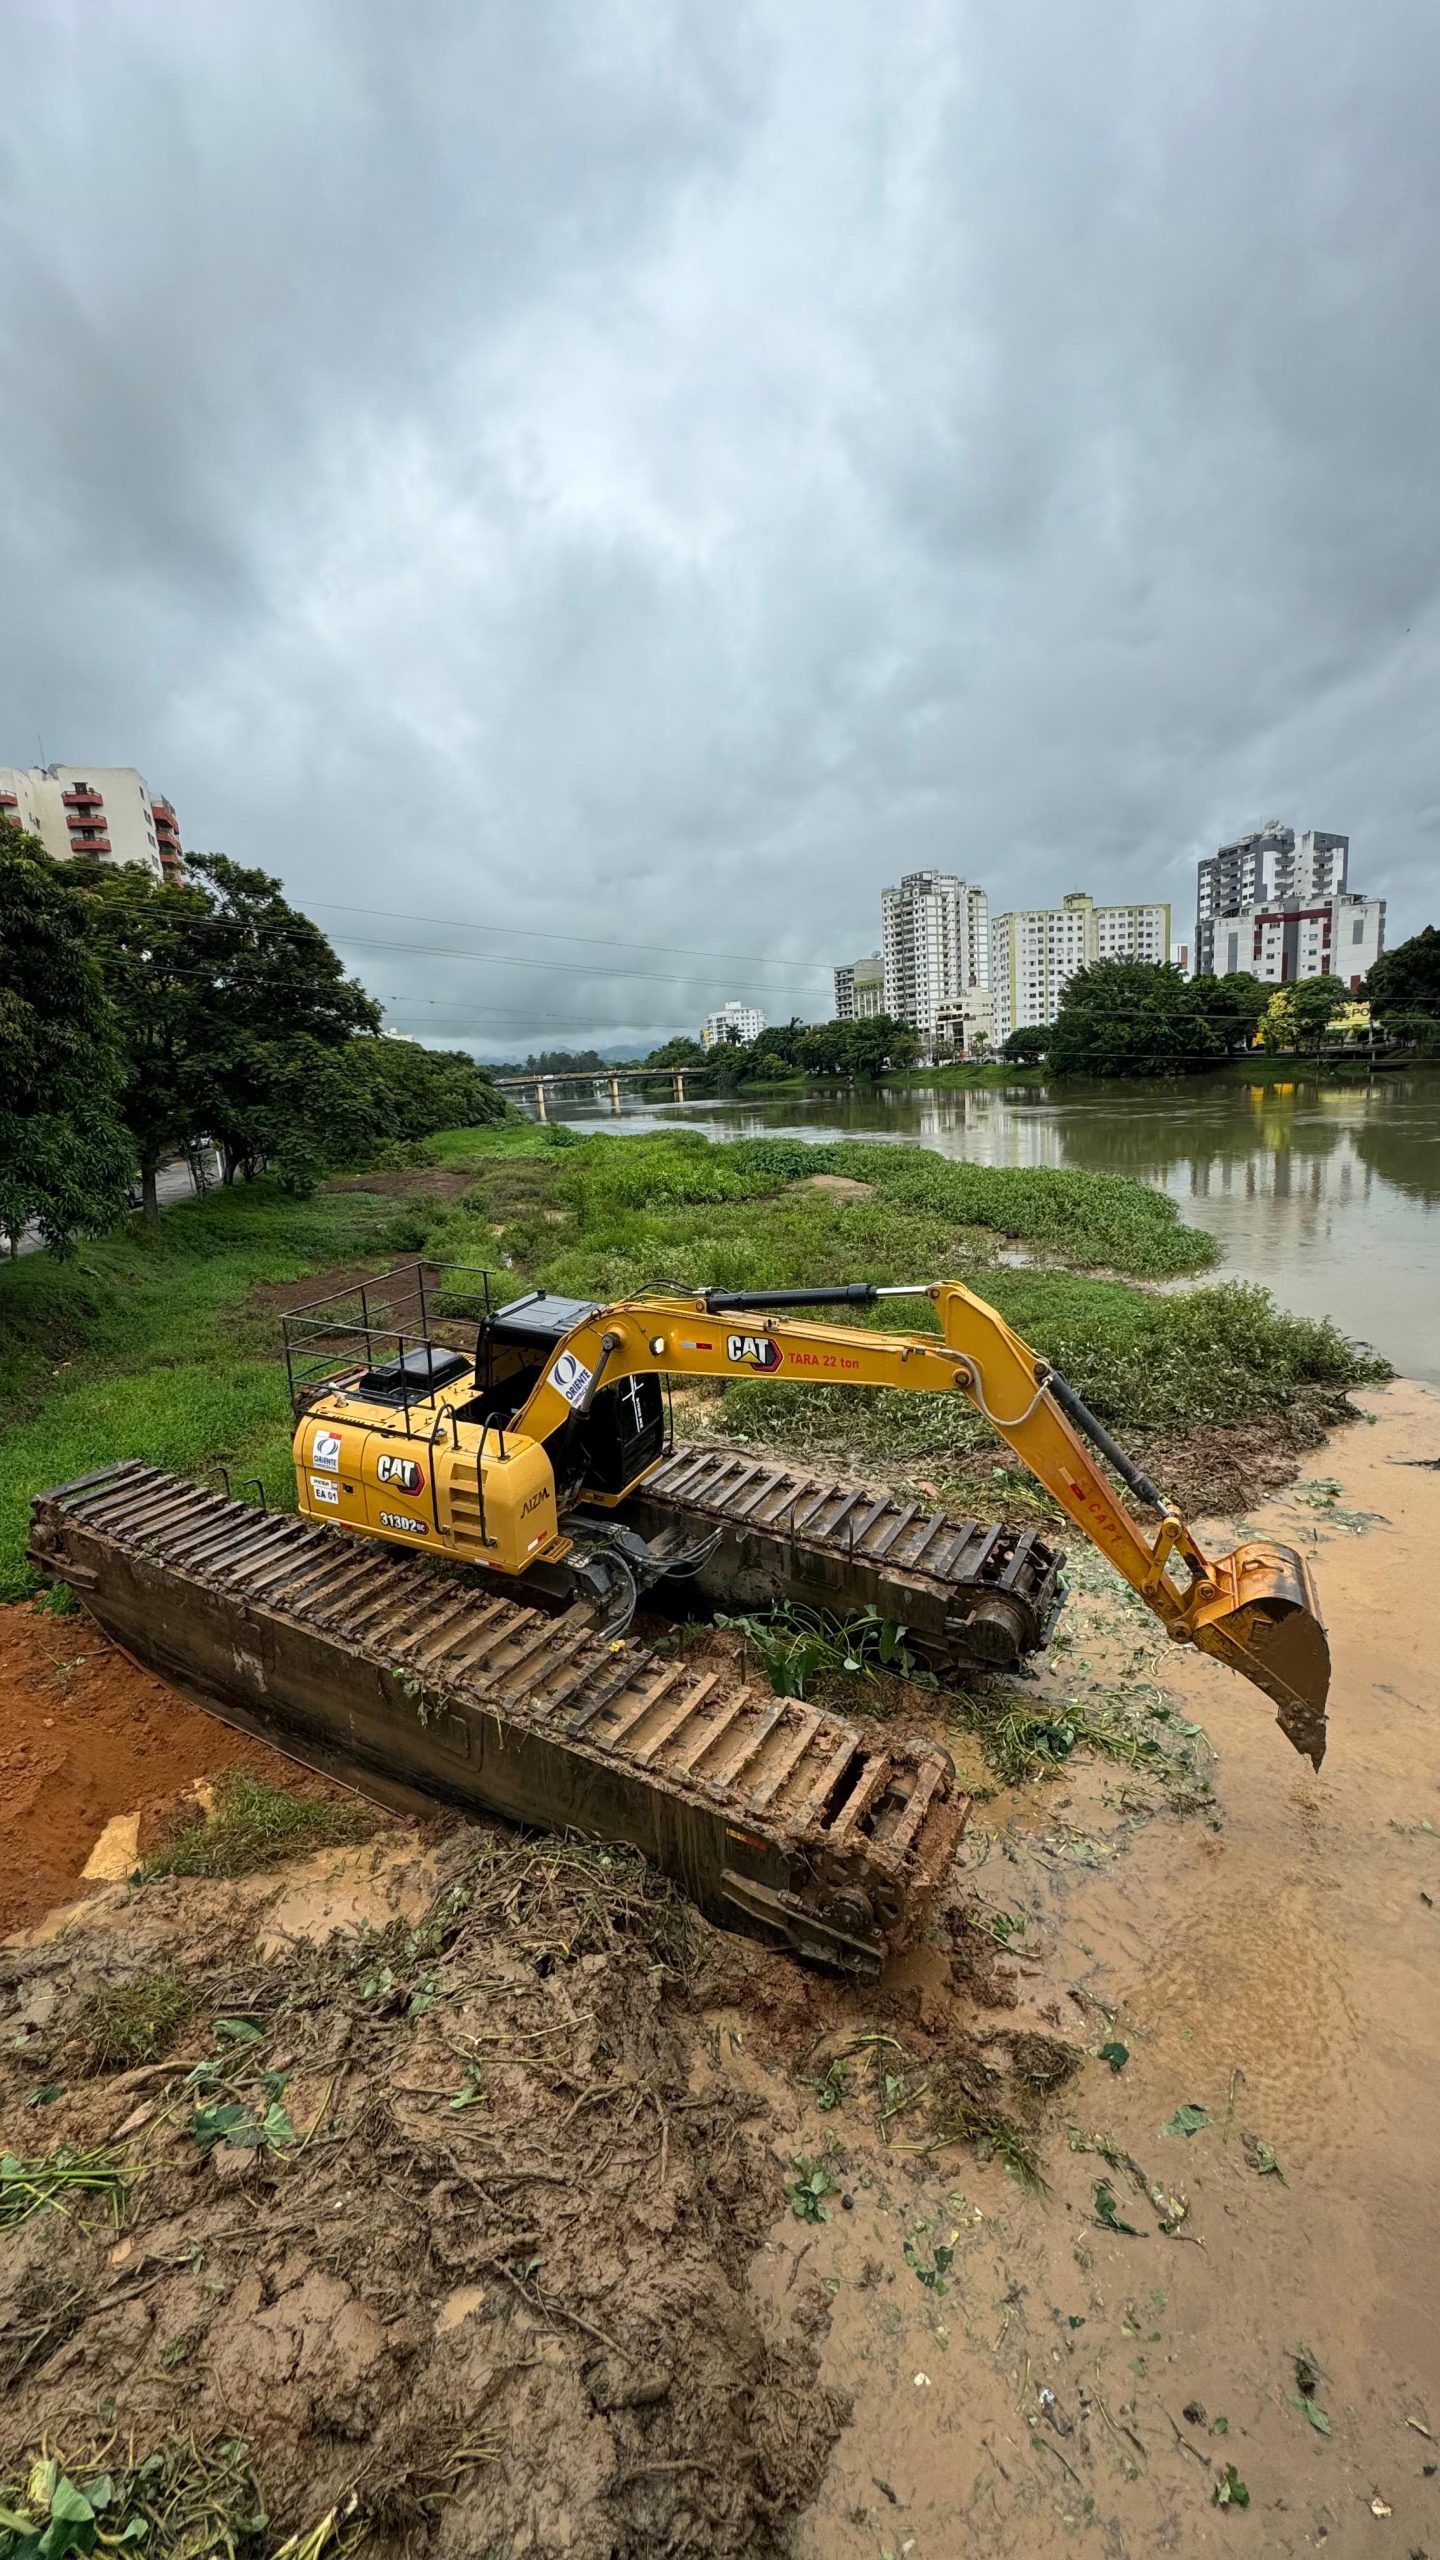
<point>1329,1193</point>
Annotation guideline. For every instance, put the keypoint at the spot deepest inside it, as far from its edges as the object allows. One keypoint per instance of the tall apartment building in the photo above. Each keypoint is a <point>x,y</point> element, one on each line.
<point>860,989</point>
<point>1265,868</point>
<point>936,944</point>
<point>1282,939</point>
<point>737,1024</point>
<point>104,810</point>
<point>1035,951</point>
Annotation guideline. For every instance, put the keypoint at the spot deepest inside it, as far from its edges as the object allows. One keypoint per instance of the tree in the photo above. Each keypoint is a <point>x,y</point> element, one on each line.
<point>228,999</point>
<point>145,937</point>
<point>680,1052</point>
<point>1135,1018</point>
<point>64,1158</point>
<point>1298,1015</point>
<point>1403,989</point>
<point>278,993</point>
<point>1235,1004</point>
<point>376,1093</point>
<point>1027,1045</point>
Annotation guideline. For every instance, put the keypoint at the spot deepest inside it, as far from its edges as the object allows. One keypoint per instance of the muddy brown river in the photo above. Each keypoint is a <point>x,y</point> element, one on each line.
<point>1281,1971</point>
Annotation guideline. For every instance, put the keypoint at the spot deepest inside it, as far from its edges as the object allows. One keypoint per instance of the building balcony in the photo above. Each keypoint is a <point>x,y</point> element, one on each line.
<point>83,797</point>
<point>95,844</point>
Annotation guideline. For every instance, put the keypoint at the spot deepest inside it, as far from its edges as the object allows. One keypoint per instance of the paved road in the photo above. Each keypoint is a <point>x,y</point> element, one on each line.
<point>172,1183</point>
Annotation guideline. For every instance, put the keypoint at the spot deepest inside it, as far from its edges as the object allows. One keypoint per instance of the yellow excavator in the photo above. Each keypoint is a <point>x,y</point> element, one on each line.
<point>523,1457</point>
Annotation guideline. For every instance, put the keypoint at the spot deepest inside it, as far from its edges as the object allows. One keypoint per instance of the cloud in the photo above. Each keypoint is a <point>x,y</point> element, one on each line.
<point>645,474</point>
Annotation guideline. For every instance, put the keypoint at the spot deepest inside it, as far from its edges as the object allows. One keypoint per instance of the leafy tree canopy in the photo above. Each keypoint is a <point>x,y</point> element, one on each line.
<point>1138,1018</point>
<point>226,996</point>
<point>680,1052</point>
<point>64,1156</point>
<point>1026,1046</point>
<point>1406,981</point>
<point>1299,1014</point>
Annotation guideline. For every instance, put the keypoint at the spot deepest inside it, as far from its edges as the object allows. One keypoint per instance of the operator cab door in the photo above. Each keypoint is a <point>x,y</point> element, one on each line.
<point>622,1435</point>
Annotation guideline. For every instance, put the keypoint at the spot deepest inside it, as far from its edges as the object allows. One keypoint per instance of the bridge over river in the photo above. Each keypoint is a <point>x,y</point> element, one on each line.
<point>606,1079</point>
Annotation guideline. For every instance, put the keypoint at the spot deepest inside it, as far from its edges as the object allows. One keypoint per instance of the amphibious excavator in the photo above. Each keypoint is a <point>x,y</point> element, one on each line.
<point>486,1491</point>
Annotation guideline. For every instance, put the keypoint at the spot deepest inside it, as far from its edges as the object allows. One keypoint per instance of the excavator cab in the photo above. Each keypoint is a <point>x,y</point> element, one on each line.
<point>601,1452</point>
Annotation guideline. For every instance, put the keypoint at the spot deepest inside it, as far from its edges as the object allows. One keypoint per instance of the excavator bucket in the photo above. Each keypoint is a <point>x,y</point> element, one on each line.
<point>1265,1622</point>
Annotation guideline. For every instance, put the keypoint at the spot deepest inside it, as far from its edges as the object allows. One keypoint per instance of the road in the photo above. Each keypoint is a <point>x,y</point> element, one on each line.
<point>172,1183</point>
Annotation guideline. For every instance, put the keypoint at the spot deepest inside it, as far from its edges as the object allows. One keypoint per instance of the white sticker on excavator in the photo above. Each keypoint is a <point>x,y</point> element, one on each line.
<point>571,1379</point>
<point>321,1492</point>
<point>325,1451</point>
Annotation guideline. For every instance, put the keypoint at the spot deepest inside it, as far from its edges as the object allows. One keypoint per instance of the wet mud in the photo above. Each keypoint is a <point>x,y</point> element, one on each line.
<point>716,2254</point>
<point>86,1738</point>
<point>1277,1966</point>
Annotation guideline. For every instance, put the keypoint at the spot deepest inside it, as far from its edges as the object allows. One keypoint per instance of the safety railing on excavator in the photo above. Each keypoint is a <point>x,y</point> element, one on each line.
<point>367,1324</point>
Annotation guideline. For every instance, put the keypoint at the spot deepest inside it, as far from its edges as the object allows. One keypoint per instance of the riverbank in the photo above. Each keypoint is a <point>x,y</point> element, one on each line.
<point>527,2205</point>
<point>163,1344</point>
<point>1216,1386</point>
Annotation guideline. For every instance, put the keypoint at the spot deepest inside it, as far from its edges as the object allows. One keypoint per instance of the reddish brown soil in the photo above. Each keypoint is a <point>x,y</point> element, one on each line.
<point>281,1297</point>
<point>85,1735</point>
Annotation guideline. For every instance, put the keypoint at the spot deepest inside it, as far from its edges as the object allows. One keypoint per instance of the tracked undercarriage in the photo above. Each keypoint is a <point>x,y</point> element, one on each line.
<point>970,1595</point>
<point>421,1687</point>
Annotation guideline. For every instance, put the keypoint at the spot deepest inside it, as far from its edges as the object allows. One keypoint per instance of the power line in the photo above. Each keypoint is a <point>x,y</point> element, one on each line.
<point>423,950</point>
<point>535,933</point>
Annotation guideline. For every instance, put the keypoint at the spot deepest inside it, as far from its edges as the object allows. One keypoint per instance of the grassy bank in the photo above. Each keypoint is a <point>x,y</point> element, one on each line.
<point>155,1344</point>
<point>144,1345</point>
<point>604,1216</point>
<point>993,1071</point>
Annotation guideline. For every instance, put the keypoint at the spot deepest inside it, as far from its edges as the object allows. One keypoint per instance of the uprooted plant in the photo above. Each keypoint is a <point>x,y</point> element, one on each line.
<point>798,1645</point>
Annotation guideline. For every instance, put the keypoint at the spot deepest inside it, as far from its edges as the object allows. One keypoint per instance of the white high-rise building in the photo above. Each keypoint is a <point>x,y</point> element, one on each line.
<point>936,944</point>
<point>1269,866</point>
<point>737,1024</point>
<point>104,810</point>
<point>860,989</point>
<point>1035,951</point>
<point>1288,938</point>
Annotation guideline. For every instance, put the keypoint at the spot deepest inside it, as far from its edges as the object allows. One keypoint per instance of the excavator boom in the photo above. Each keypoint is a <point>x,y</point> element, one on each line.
<point>1255,1609</point>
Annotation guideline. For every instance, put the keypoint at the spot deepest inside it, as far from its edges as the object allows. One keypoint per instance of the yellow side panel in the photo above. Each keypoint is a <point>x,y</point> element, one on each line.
<point>329,1471</point>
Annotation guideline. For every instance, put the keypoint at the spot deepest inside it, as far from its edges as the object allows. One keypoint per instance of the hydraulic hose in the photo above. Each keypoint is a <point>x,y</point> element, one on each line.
<point>1099,1438</point>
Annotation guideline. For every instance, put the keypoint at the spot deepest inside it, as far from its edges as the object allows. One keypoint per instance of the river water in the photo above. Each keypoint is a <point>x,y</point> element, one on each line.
<point>1328,1192</point>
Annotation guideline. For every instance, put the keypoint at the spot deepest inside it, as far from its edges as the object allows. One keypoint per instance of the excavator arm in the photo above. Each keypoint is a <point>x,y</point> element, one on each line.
<point>1255,1609</point>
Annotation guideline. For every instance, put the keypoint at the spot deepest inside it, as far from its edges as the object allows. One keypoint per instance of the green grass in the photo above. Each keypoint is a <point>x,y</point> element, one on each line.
<point>151,1345</point>
<point>144,1346</point>
<point>604,1216</point>
<point>256,1825</point>
<point>994,1071</point>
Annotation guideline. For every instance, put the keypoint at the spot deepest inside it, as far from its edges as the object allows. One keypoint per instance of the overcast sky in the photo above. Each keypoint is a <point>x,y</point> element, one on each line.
<point>651,471</point>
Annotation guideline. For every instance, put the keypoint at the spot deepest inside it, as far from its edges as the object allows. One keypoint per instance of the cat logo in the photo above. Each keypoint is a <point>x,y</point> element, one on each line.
<point>406,1475</point>
<point>754,1350</point>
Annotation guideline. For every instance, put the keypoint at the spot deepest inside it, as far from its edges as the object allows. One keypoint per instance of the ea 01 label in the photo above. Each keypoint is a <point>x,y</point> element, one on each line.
<point>320,1491</point>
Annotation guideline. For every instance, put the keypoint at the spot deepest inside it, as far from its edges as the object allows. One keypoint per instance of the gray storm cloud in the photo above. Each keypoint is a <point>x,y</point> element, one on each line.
<point>648,474</point>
